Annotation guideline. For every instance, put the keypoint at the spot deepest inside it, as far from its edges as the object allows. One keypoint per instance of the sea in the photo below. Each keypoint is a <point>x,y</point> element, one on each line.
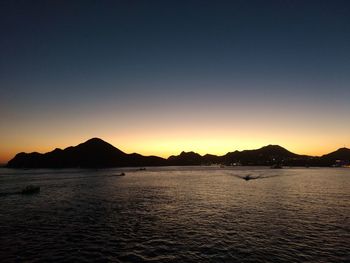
<point>176,214</point>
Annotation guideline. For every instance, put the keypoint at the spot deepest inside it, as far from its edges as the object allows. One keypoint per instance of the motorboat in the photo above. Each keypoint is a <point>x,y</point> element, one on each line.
<point>121,174</point>
<point>247,177</point>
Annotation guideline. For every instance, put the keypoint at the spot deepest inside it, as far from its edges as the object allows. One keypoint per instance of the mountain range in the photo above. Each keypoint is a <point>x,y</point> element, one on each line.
<point>96,153</point>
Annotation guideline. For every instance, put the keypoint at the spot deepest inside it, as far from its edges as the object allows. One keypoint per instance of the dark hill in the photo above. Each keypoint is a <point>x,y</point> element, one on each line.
<point>211,159</point>
<point>340,154</point>
<point>96,153</point>
<point>338,157</point>
<point>266,155</point>
<point>185,158</point>
<point>274,151</point>
<point>136,159</point>
<point>92,153</point>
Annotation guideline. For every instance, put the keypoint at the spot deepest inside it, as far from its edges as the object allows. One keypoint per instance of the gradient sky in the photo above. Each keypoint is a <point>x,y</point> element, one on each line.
<point>159,77</point>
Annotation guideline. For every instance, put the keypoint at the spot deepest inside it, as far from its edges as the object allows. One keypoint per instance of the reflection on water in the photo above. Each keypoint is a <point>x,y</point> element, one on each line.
<point>183,214</point>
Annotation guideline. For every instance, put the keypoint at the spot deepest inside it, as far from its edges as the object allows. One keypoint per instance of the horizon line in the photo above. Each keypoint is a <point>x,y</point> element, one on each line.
<point>344,147</point>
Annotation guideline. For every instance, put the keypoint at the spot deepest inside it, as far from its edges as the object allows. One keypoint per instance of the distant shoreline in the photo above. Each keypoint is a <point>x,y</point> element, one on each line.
<point>135,168</point>
<point>96,153</point>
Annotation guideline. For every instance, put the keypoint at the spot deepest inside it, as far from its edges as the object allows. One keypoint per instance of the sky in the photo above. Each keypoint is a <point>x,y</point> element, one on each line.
<point>160,77</point>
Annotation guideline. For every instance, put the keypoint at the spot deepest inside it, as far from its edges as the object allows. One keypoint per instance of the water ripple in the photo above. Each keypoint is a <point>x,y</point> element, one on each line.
<point>190,214</point>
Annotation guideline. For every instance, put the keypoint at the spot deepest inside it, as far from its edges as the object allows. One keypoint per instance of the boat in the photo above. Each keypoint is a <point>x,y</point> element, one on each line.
<point>30,189</point>
<point>121,174</point>
<point>247,177</point>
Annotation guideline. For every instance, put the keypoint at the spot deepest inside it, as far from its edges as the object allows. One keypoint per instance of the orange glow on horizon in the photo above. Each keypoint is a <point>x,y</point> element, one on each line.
<point>167,146</point>
<point>164,135</point>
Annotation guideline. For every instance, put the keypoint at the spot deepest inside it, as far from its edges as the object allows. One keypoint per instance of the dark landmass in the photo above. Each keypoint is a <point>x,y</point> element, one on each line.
<point>96,153</point>
<point>185,158</point>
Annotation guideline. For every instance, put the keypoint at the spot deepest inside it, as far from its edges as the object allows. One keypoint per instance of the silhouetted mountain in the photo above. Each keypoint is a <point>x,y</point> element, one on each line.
<point>340,154</point>
<point>338,157</point>
<point>266,155</point>
<point>136,159</point>
<point>185,158</point>
<point>92,153</point>
<point>211,159</point>
<point>96,153</point>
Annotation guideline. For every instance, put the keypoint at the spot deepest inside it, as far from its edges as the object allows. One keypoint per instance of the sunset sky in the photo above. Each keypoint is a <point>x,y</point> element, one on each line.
<point>160,77</point>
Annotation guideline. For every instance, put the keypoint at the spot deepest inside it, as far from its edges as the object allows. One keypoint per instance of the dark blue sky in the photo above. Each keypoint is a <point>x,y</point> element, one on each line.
<point>65,61</point>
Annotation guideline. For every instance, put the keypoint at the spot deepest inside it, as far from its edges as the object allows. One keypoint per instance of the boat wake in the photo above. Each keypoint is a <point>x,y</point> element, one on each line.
<point>248,177</point>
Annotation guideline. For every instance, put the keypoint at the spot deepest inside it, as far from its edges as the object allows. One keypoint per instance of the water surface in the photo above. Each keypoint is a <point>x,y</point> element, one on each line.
<point>176,214</point>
